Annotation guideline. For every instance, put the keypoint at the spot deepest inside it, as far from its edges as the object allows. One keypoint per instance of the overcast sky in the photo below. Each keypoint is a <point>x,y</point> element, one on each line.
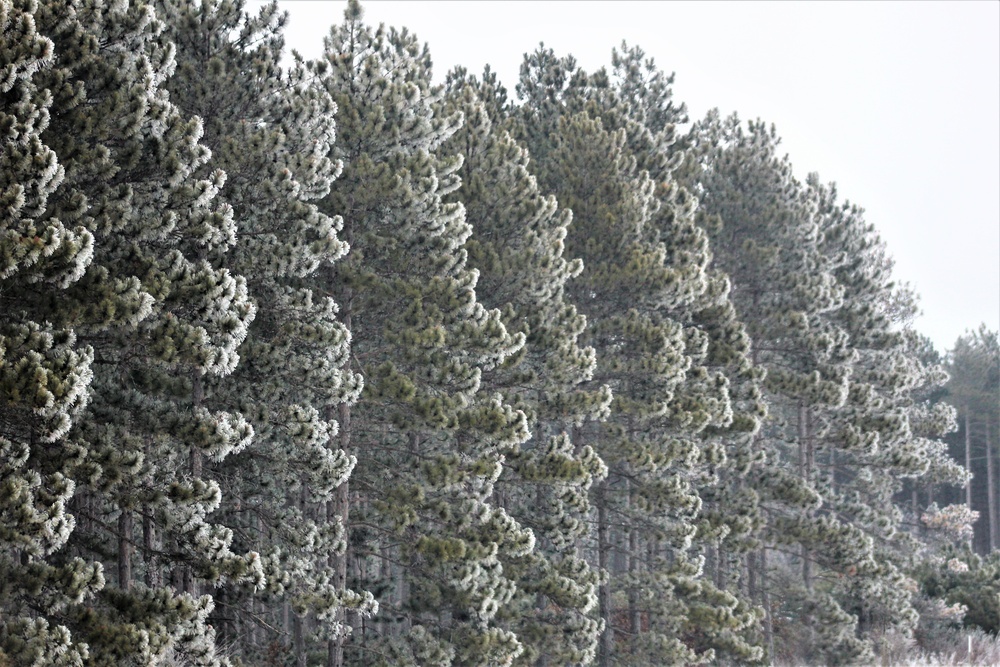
<point>898,102</point>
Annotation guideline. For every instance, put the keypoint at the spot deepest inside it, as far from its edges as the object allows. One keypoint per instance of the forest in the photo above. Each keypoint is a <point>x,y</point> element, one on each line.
<point>323,363</point>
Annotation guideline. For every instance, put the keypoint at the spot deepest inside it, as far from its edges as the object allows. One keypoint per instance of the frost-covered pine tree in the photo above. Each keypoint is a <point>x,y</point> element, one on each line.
<point>719,406</point>
<point>161,315</point>
<point>641,281</point>
<point>884,433</point>
<point>974,366</point>
<point>518,248</point>
<point>272,133</point>
<point>427,536</point>
<point>44,372</point>
<point>766,233</point>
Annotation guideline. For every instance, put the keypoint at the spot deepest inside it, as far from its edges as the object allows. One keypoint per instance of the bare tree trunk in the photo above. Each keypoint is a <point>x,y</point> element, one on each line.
<point>153,576</point>
<point>125,550</point>
<point>968,459</point>
<point>765,598</point>
<point>197,394</point>
<point>634,560</point>
<point>991,490</point>
<point>604,592</point>
<point>298,621</point>
<point>339,509</point>
<point>299,640</point>
<point>805,469</point>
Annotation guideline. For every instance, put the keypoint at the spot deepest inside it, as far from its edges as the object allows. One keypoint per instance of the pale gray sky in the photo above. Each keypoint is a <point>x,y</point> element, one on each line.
<point>898,102</point>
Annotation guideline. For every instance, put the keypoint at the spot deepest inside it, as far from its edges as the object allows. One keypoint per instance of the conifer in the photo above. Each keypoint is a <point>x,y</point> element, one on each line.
<point>272,133</point>
<point>518,248</point>
<point>162,316</point>
<point>644,273</point>
<point>45,373</point>
<point>426,534</point>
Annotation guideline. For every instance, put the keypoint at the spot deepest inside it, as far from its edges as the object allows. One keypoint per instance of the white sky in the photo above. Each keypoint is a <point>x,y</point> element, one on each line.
<point>898,102</point>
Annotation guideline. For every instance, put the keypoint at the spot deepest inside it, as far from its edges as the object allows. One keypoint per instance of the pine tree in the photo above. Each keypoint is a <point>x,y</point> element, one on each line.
<point>720,401</point>
<point>161,315</point>
<point>974,366</point>
<point>44,372</point>
<point>644,278</point>
<point>426,536</point>
<point>884,433</point>
<point>272,133</point>
<point>765,233</point>
<point>518,248</point>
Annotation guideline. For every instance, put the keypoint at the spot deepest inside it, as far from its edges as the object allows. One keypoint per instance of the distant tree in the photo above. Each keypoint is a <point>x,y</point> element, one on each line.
<point>974,391</point>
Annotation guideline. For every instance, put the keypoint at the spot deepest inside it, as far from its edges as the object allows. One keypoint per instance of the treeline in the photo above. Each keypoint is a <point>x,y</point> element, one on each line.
<point>330,365</point>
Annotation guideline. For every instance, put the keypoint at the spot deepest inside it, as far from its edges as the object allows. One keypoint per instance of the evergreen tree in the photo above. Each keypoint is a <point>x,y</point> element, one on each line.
<point>766,236</point>
<point>639,99</point>
<point>974,391</point>
<point>272,133</point>
<point>884,434</point>
<point>644,278</point>
<point>44,373</point>
<point>518,248</point>
<point>161,316</point>
<point>427,536</point>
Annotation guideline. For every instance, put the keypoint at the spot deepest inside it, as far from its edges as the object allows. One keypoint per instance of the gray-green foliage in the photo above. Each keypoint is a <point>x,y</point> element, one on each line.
<point>161,315</point>
<point>272,132</point>
<point>645,284</point>
<point>44,372</point>
<point>427,536</point>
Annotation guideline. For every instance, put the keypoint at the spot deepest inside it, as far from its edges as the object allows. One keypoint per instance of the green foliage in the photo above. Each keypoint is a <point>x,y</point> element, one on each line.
<point>968,580</point>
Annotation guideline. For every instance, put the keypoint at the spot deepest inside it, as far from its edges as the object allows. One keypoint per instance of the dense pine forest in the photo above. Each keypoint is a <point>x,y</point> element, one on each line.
<point>324,363</point>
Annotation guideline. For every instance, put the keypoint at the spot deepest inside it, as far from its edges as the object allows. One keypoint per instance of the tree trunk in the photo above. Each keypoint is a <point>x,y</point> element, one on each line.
<point>805,468</point>
<point>765,599</point>
<point>991,506</point>
<point>339,509</point>
<point>153,577</point>
<point>197,394</point>
<point>299,640</point>
<point>604,592</point>
<point>968,459</point>
<point>125,550</point>
<point>634,612</point>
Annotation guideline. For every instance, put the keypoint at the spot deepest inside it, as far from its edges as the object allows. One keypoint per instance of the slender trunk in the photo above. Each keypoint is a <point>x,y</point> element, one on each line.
<point>125,550</point>
<point>604,592</point>
<point>765,598</point>
<point>805,469</point>
<point>968,459</point>
<point>339,510</point>
<point>634,613</point>
<point>298,620</point>
<point>197,394</point>
<point>299,640</point>
<point>915,506</point>
<point>751,568</point>
<point>150,546</point>
<point>991,490</point>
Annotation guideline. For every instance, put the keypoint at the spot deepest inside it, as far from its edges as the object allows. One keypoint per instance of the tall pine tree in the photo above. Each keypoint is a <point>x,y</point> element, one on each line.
<point>272,133</point>
<point>162,315</point>
<point>426,534</point>
<point>518,248</point>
